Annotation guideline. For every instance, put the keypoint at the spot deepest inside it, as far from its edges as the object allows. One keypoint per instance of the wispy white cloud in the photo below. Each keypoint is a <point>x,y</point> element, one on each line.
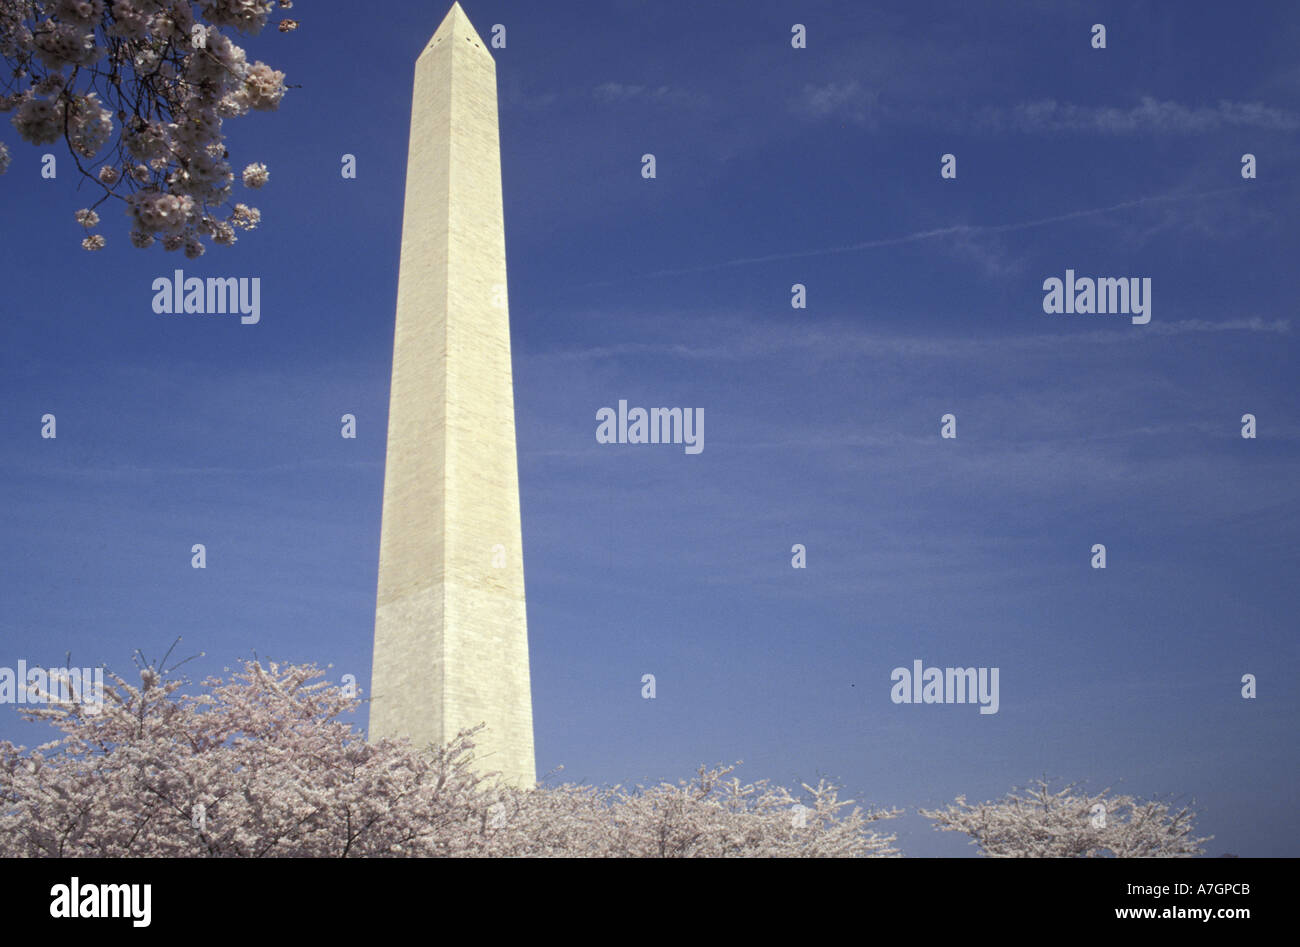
<point>606,93</point>
<point>147,473</point>
<point>1149,116</point>
<point>989,253</point>
<point>830,342</point>
<point>611,92</point>
<point>840,100</point>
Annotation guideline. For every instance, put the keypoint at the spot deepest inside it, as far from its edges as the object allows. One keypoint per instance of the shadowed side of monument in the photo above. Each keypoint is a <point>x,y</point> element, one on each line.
<point>451,640</point>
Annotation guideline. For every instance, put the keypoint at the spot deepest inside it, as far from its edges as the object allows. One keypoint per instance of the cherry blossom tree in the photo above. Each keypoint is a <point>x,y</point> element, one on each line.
<point>259,764</point>
<point>139,91</point>
<point>1039,823</point>
<point>710,816</point>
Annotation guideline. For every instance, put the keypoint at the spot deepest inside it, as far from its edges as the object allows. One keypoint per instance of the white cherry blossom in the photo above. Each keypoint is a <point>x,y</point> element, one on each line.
<point>127,88</point>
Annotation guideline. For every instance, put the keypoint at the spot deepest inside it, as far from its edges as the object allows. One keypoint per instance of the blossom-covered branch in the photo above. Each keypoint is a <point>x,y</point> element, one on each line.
<point>139,90</point>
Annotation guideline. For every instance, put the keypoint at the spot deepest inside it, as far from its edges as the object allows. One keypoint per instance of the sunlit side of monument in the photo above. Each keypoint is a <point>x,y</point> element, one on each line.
<point>451,640</point>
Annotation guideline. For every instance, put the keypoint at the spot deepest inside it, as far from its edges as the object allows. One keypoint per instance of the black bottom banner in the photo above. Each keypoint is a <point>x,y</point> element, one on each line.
<point>301,897</point>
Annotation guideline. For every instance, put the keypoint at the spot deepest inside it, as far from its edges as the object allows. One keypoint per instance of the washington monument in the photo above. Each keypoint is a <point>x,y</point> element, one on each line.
<point>451,638</point>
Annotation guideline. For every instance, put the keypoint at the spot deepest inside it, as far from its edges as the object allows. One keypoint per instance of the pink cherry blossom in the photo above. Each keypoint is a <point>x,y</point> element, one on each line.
<point>152,81</point>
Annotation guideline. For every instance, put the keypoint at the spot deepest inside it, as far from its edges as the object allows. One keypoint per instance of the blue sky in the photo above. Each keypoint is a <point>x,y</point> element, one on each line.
<point>775,166</point>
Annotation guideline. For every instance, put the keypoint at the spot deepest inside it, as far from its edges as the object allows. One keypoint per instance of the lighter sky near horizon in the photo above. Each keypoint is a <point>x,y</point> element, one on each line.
<point>775,166</point>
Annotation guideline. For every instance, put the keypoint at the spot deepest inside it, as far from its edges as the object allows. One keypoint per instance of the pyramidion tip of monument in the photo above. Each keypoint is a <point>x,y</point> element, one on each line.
<point>456,25</point>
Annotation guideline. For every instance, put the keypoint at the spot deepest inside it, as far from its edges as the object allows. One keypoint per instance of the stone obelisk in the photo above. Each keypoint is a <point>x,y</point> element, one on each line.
<point>451,639</point>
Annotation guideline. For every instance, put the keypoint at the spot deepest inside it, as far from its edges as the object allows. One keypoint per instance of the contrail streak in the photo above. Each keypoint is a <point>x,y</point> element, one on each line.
<point>958,229</point>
